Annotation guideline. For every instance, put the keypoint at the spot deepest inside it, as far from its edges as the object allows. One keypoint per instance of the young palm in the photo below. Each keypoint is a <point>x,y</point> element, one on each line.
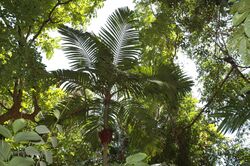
<point>101,63</point>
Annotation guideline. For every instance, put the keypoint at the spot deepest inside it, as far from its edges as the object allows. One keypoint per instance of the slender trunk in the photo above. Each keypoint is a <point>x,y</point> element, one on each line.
<point>106,126</point>
<point>105,154</point>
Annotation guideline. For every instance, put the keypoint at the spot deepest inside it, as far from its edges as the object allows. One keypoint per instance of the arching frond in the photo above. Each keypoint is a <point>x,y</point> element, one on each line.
<point>168,82</point>
<point>79,47</point>
<point>121,38</point>
<point>73,80</point>
<point>235,114</point>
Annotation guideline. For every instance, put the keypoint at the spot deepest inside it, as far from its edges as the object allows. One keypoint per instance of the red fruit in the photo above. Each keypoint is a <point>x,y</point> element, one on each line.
<point>105,136</point>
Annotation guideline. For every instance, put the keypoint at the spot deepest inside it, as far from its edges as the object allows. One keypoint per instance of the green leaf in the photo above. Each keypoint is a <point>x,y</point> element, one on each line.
<point>247,26</point>
<point>5,132</point>
<point>42,129</point>
<point>31,151</point>
<point>56,114</point>
<point>243,46</point>
<point>135,158</point>
<point>42,163</point>
<point>2,163</point>
<point>18,124</point>
<point>48,156</point>
<point>21,161</point>
<point>59,128</point>
<point>27,136</point>
<point>53,141</point>
<point>5,151</point>
<point>244,5</point>
<point>239,18</point>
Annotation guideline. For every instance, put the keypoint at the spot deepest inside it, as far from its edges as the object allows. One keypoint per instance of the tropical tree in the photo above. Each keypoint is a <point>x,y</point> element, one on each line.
<point>101,64</point>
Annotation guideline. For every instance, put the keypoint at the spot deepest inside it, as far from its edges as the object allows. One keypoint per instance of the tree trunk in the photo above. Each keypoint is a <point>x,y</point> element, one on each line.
<point>106,126</point>
<point>105,154</point>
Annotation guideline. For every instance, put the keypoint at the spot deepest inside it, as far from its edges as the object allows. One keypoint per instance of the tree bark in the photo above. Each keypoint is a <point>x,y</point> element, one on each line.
<point>107,99</point>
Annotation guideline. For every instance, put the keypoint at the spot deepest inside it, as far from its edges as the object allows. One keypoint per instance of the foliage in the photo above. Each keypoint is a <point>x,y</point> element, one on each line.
<point>127,81</point>
<point>25,147</point>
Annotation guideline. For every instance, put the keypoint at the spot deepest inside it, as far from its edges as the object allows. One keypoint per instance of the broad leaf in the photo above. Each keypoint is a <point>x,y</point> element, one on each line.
<point>27,136</point>
<point>31,151</point>
<point>42,163</point>
<point>42,129</point>
<point>5,132</point>
<point>2,163</point>
<point>18,124</point>
<point>136,158</point>
<point>243,46</point>
<point>48,157</point>
<point>247,26</point>
<point>5,151</point>
<point>238,18</point>
<point>59,128</point>
<point>21,161</point>
<point>53,141</point>
<point>57,114</point>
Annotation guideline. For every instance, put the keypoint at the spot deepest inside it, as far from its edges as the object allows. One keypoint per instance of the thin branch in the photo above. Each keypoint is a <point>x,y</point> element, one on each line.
<point>11,93</point>
<point>211,99</point>
<point>28,33</point>
<point>49,19</point>
<point>243,67</point>
<point>3,106</point>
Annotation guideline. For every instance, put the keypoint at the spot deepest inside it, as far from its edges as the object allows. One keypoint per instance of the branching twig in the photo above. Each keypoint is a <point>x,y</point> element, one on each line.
<point>210,100</point>
<point>3,106</point>
<point>28,33</point>
<point>48,19</point>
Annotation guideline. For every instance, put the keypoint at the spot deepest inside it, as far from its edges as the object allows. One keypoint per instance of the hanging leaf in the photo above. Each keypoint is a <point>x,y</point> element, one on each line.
<point>244,5</point>
<point>2,163</point>
<point>42,129</point>
<point>5,151</point>
<point>21,161</point>
<point>59,128</point>
<point>53,141</point>
<point>56,114</point>
<point>42,163</point>
<point>18,124</point>
<point>31,151</point>
<point>27,136</point>
<point>239,18</point>
<point>243,46</point>
<point>136,158</point>
<point>48,156</point>
<point>247,26</point>
<point>5,132</point>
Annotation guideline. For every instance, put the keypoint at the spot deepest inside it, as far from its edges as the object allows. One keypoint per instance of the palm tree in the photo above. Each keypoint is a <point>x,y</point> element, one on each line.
<point>101,64</point>
<point>104,66</point>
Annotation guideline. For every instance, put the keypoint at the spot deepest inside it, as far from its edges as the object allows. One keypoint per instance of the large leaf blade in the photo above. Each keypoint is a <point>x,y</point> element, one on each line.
<point>27,136</point>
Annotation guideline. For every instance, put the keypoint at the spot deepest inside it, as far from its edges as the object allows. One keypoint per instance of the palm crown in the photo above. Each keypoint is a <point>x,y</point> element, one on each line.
<point>100,60</point>
<point>103,63</point>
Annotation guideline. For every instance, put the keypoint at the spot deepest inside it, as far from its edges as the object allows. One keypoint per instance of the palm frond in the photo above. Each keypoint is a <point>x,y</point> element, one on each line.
<point>73,80</point>
<point>121,38</point>
<point>235,114</point>
<point>168,82</point>
<point>79,47</point>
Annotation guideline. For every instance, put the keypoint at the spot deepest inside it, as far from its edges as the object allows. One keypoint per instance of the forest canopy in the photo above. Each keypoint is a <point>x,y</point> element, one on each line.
<point>126,99</point>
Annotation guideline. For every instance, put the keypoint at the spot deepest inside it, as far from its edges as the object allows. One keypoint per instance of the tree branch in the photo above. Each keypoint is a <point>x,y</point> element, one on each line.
<point>48,19</point>
<point>211,99</point>
<point>3,106</point>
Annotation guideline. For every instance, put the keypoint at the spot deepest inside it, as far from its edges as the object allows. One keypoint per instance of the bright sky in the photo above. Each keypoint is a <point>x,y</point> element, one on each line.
<point>59,61</point>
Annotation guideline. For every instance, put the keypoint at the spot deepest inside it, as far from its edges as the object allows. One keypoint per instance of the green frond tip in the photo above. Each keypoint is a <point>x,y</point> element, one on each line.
<point>80,47</point>
<point>121,38</point>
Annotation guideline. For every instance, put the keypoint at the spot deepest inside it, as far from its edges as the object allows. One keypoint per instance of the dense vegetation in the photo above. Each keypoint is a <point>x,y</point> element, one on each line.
<point>125,100</point>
